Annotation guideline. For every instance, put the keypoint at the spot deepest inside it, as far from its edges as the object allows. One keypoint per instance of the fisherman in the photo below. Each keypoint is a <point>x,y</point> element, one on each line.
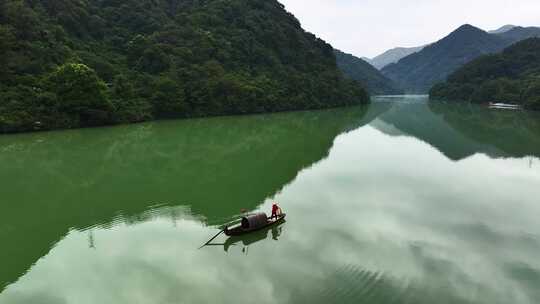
<point>275,211</point>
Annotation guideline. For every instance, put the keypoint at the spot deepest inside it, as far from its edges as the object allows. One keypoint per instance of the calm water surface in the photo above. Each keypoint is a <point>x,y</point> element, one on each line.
<point>401,201</point>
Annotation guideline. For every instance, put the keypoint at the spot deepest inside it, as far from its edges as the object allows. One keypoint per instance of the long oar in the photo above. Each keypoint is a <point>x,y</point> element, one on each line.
<point>220,232</point>
<point>215,236</point>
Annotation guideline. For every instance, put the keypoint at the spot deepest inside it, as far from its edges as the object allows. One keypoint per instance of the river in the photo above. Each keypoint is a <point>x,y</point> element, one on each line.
<point>400,201</point>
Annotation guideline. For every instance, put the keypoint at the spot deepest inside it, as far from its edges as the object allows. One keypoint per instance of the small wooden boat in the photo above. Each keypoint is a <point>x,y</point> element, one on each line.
<point>253,222</point>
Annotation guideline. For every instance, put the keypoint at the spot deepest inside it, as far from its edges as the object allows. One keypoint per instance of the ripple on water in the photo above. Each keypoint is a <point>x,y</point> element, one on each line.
<point>152,212</point>
<point>354,284</point>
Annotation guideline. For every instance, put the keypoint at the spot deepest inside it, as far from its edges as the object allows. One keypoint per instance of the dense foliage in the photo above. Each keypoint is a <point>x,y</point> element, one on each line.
<point>512,76</point>
<point>69,63</point>
<point>418,72</point>
<point>367,75</point>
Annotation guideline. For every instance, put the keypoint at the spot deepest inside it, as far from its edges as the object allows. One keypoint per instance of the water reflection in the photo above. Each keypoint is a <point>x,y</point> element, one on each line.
<point>461,130</point>
<point>514,133</point>
<point>57,181</point>
<point>386,213</point>
<point>272,232</point>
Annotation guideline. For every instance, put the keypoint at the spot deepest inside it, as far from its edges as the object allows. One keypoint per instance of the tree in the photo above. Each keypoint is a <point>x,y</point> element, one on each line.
<point>23,19</point>
<point>81,93</point>
<point>532,94</point>
<point>154,60</point>
<point>129,107</point>
<point>168,99</point>
<point>7,41</point>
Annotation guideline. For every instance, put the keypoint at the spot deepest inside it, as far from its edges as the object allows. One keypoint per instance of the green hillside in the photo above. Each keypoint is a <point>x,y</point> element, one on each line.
<point>418,72</point>
<point>367,75</point>
<point>512,76</point>
<point>73,63</point>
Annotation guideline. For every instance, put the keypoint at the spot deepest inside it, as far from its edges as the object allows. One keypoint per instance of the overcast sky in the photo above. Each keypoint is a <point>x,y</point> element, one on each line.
<point>370,27</point>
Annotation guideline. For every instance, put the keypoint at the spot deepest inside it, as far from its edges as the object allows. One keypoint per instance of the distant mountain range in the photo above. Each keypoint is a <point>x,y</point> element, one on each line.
<point>512,76</point>
<point>396,54</point>
<point>392,56</point>
<point>368,76</point>
<point>519,33</point>
<point>502,29</point>
<point>418,72</point>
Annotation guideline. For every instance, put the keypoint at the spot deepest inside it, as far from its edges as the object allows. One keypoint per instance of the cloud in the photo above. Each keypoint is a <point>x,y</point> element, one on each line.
<point>369,27</point>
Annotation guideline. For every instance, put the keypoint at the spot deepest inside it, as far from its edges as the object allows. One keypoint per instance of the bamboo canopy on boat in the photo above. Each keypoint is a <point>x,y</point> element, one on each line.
<point>254,221</point>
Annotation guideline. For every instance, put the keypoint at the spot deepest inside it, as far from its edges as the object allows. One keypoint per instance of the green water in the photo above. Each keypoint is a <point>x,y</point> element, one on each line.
<point>401,201</point>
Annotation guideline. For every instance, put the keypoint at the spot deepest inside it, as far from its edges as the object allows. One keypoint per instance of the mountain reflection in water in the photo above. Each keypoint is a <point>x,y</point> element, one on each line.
<point>57,181</point>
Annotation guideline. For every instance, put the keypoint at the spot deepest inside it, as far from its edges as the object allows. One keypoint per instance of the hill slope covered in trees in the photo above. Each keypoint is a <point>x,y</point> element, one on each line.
<point>418,72</point>
<point>73,63</point>
<point>367,75</point>
<point>512,76</point>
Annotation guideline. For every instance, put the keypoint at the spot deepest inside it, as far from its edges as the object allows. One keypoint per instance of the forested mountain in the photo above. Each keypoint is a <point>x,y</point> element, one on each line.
<point>71,63</point>
<point>512,76</point>
<point>418,72</point>
<point>393,56</point>
<point>368,76</point>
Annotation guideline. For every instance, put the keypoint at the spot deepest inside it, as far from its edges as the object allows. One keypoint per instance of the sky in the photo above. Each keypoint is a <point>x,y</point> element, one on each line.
<point>370,27</point>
